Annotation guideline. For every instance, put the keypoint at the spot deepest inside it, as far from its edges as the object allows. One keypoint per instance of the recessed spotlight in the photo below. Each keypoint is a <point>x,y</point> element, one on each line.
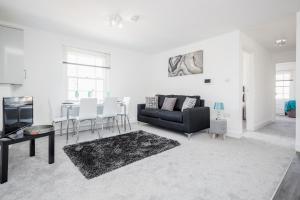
<point>135,18</point>
<point>116,20</point>
<point>280,42</point>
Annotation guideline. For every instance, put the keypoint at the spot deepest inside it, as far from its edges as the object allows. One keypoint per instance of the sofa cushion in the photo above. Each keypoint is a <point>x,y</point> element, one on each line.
<point>174,116</point>
<point>150,112</point>
<point>179,102</point>
<point>169,104</point>
<point>181,99</point>
<point>161,99</point>
<point>189,103</point>
<point>152,102</point>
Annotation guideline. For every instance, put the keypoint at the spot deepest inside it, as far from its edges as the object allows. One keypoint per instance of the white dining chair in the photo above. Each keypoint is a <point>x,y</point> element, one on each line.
<point>124,114</point>
<point>87,112</point>
<point>111,108</point>
<point>59,119</point>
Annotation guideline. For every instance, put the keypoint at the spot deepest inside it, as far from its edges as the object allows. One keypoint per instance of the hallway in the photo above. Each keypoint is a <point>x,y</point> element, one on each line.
<point>282,127</point>
<point>281,132</point>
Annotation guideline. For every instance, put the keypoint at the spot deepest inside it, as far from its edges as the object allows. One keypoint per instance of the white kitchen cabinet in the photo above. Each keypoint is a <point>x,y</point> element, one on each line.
<point>11,55</point>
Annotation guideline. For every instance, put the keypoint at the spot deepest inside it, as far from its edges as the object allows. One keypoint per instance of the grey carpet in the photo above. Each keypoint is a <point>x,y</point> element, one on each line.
<point>283,127</point>
<point>100,156</point>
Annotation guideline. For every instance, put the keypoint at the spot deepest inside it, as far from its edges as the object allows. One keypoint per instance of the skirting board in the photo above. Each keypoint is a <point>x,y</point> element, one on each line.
<point>261,125</point>
<point>297,147</point>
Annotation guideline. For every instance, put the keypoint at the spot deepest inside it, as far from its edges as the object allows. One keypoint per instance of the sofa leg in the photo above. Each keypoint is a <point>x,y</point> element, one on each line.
<point>189,135</point>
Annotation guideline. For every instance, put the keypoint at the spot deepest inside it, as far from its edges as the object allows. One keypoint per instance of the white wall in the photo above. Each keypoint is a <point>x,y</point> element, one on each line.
<point>221,64</point>
<point>290,67</point>
<point>261,92</point>
<point>298,85</point>
<point>46,73</point>
<point>283,57</point>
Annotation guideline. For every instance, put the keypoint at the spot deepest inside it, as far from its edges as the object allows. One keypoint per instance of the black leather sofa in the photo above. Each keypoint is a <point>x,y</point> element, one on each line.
<point>189,121</point>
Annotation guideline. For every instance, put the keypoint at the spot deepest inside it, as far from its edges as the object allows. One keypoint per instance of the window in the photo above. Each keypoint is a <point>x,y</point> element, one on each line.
<point>283,84</point>
<point>87,73</point>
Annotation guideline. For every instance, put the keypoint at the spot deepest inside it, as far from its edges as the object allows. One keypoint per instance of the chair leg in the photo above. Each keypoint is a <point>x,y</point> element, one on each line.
<point>113,124</point>
<point>102,126</point>
<point>92,130</point>
<point>61,123</point>
<point>74,128</point>
<point>118,126</point>
<point>128,122</point>
<point>121,120</point>
<point>77,130</point>
<point>97,129</point>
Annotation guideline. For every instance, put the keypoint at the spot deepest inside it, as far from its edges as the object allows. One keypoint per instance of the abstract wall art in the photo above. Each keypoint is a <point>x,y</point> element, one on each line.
<point>186,64</point>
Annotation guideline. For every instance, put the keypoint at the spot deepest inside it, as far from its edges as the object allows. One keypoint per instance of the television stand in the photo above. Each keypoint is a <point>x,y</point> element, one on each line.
<point>5,142</point>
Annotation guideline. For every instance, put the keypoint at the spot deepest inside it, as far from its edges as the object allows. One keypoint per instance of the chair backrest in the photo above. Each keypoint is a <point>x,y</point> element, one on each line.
<point>88,108</point>
<point>111,107</point>
<point>126,102</point>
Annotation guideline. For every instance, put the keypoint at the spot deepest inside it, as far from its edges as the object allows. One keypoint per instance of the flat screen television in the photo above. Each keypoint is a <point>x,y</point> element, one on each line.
<point>17,114</point>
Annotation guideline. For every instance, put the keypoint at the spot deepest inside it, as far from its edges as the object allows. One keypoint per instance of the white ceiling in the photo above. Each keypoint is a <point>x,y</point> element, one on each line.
<point>266,34</point>
<point>164,24</point>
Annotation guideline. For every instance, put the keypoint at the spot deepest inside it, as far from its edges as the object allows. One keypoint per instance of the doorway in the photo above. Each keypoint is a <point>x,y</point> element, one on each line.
<point>247,59</point>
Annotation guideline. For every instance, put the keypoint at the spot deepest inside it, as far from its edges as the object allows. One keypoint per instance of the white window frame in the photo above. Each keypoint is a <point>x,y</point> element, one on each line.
<point>284,86</point>
<point>105,77</point>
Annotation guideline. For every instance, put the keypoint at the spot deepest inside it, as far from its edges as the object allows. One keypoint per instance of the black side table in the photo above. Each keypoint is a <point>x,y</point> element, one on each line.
<point>4,142</point>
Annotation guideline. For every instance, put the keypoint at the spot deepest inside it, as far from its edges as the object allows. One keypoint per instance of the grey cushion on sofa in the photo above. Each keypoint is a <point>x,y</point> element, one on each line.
<point>152,102</point>
<point>188,103</point>
<point>180,100</point>
<point>169,104</point>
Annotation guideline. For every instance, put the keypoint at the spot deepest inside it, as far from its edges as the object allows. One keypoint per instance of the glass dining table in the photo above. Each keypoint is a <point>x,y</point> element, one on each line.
<point>72,109</point>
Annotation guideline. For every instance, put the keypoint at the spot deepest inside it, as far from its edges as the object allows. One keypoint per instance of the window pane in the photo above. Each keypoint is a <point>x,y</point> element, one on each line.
<point>279,90</point>
<point>100,96</point>
<point>86,84</point>
<point>280,96</point>
<point>72,84</point>
<point>286,90</point>
<point>100,62</point>
<point>286,96</point>
<point>86,59</point>
<point>100,85</point>
<point>100,73</point>
<point>72,70</point>
<point>279,76</point>
<point>279,83</point>
<point>71,95</point>
<point>71,58</point>
<point>286,83</point>
<point>287,76</point>
<point>86,72</point>
<point>83,94</point>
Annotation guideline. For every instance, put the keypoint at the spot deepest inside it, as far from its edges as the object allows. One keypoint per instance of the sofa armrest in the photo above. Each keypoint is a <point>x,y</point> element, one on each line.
<point>139,108</point>
<point>195,119</point>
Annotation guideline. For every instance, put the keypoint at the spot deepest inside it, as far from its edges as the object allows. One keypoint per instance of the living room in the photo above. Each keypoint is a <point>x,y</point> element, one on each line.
<point>137,43</point>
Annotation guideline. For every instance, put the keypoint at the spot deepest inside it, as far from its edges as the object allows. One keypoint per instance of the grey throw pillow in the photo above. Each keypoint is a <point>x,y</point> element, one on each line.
<point>152,102</point>
<point>188,103</point>
<point>169,104</point>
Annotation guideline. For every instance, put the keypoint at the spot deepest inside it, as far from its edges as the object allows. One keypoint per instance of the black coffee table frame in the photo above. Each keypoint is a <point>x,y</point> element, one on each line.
<point>6,142</point>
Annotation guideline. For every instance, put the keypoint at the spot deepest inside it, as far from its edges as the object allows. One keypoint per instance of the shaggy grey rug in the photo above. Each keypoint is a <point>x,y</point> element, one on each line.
<point>100,156</point>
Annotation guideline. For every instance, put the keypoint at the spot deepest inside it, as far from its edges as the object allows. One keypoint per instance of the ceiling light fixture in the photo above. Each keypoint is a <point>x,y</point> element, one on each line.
<point>116,21</point>
<point>135,18</point>
<point>280,42</point>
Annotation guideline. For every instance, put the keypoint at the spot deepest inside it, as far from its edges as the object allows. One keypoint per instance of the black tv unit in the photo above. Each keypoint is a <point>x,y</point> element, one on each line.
<point>17,114</point>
